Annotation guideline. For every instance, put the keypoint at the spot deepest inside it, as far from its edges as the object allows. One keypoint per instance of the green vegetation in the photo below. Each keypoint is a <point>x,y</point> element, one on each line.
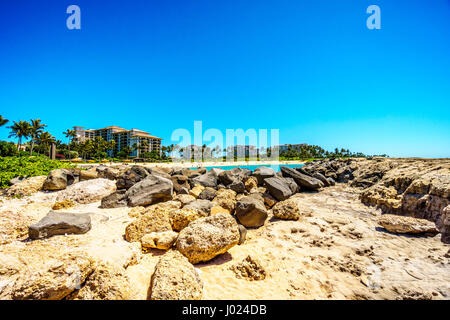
<point>70,134</point>
<point>35,131</point>
<point>8,149</point>
<point>99,150</point>
<point>307,152</point>
<point>3,121</point>
<point>20,130</point>
<point>299,152</point>
<point>11,167</point>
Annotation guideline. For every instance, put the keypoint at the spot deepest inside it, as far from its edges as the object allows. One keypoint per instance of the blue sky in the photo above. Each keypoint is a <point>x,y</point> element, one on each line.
<point>309,68</point>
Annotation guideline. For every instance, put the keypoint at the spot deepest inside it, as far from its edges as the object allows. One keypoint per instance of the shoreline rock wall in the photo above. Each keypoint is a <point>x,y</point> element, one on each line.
<point>419,188</point>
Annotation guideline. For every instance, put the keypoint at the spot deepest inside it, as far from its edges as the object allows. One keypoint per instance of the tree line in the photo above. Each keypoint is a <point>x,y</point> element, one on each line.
<point>97,148</point>
<point>297,152</point>
<point>316,152</point>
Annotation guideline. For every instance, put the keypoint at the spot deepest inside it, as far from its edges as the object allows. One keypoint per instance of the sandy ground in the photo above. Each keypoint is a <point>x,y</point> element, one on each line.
<point>336,251</point>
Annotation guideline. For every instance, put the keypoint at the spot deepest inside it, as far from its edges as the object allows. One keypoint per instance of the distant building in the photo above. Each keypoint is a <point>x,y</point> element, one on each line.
<point>193,151</point>
<point>242,150</point>
<point>122,137</point>
<point>23,147</point>
<point>297,147</point>
<point>190,151</point>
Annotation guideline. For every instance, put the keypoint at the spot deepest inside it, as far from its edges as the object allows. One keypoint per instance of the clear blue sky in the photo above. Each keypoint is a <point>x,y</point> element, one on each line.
<point>309,68</point>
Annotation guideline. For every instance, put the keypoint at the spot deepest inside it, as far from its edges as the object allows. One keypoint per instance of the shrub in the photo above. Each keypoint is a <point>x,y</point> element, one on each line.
<point>8,149</point>
<point>11,167</point>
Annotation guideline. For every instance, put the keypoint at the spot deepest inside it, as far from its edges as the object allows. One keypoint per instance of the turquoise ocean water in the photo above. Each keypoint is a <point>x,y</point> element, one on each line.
<point>253,167</point>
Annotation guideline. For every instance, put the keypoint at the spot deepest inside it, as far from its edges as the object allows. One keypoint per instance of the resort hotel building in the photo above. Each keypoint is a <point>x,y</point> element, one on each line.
<point>286,147</point>
<point>123,138</point>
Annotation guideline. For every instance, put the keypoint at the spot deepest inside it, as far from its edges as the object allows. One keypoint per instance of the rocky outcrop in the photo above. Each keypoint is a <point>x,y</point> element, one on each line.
<point>152,189</point>
<point>154,219</point>
<point>251,183</point>
<point>88,174</point>
<point>60,223</point>
<point>163,240</point>
<point>208,179</point>
<point>180,184</point>
<point>242,234</point>
<point>216,209</point>
<point>184,198</point>
<point>207,194</point>
<point>196,190</point>
<point>42,272</point>
<point>251,212</point>
<point>87,191</point>
<point>383,197</point>
<point>190,173</point>
<point>418,188</point>
<point>110,172</point>
<point>201,205</point>
<point>167,170</point>
<point>161,172</point>
<point>292,185</point>
<point>234,176</point>
<point>338,249</point>
<point>237,186</point>
<point>269,201</point>
<point>181,218</point>
<point>287,210</point>
<point>26,186</point>
<point>13,225</point>
<point>59,179</point>
<point>205,238</point>
<point>278,187</point>
<point>303,180</point>
<point>107,282</point>
<point>226,198</point>
<point>131,177</point>
<point>115,200</point>
<point>175,279</point>
<point>322,178</point>
<point>261,173</point>
<point>400,224</point>
<point>65,204</point>
<point>249,269</point>
<point>167,206</point>
<point>445,229</point>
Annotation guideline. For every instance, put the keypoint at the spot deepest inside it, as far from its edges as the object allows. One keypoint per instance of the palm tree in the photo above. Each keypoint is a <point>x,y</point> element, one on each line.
<point>181,151</point>
<point>20,130</point>
<point>135,147</point>
<point>164,150</point>
<point>85,148</point>
<point>127,150</point>
<point>143,146</point>
<point>170,150</point>
<point>36,128</point>
<point>70,134</point>
<point>46,138</point>
<point>3,121</point>
<point>110,146</point>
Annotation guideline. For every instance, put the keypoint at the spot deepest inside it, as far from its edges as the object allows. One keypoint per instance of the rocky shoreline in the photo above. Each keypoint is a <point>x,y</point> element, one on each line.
<point>333,229</point>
